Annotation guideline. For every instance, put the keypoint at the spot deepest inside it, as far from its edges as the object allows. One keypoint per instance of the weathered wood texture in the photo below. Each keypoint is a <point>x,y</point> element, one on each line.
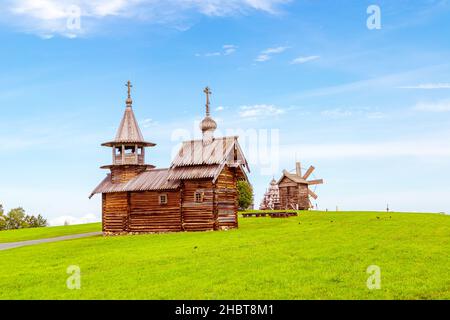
<point>198,216</point>
<point>148,215</point>
<point>142,212</point>
<point>226,199</point>
<point>120,174</point>
<point>115,212</point>
<point>293,195</point>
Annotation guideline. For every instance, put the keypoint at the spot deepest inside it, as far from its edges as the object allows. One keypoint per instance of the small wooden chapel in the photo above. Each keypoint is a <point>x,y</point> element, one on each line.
<point>198,192</point>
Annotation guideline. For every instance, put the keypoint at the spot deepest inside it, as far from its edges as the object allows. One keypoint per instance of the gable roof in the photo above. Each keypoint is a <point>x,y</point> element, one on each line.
<point>194,172</point>
<point>219,152</point>
<point>129,131</point>
<point>155,179</point>
<point>293,177</point>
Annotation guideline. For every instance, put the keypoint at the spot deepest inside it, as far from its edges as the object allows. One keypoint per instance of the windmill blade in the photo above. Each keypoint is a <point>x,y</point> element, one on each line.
<point>298,169</point>
<point>314,182</point>
<point>308,172</point>
<point>312,194</point>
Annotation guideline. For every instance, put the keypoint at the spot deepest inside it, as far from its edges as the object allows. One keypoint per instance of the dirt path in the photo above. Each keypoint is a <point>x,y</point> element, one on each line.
<point>10,245</point>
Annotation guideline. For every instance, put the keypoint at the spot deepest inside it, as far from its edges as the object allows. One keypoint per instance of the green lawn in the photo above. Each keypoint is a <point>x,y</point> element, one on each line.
<point>314,256</point>
<point>49,232</point>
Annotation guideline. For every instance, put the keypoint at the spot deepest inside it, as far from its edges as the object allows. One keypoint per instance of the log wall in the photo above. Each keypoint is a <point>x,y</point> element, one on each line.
<point>293,194</point>
<point>226,199</point>
<point>114,212</point>
<point>198,216</point>
<point>121,174</point>
<point>148,215</point>
<point>141,211</point>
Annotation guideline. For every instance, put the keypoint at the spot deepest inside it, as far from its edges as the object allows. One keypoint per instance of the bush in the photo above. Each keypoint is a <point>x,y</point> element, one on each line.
<point>245,195</point>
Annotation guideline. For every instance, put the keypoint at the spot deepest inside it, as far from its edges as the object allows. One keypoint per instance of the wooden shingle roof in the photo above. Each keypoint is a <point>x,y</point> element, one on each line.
<point>292,177</point>
<point>219,151</point>
<point>194,172</point>
<point>129,131</point>
<point>155,179</point>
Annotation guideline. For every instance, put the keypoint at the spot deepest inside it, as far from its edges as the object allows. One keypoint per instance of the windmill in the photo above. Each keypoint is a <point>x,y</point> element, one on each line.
<point>294,188</point>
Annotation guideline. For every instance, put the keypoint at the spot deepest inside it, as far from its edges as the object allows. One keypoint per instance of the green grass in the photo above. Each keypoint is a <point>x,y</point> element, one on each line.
<point>269,211</point>
<point>314,256</point>
<point>48,232</point>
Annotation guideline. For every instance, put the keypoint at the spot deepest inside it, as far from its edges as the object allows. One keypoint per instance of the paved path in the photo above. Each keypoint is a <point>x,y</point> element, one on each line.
<point>10,245</point>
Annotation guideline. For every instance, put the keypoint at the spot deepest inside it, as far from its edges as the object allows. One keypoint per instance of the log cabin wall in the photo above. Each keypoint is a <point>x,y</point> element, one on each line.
<point>288,193</point>
<point>303,197</point>
<point>147,214</point>
<point>114,212</point>
<point>293,194</point>
<point>198,216</point>
<point>226,199</point>
<point>121,174</point>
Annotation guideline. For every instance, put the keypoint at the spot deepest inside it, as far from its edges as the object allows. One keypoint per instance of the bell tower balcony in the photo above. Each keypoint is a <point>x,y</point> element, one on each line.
<point>129,154</point>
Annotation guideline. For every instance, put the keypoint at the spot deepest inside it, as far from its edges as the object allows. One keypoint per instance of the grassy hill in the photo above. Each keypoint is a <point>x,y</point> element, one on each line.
<point>314,256</point>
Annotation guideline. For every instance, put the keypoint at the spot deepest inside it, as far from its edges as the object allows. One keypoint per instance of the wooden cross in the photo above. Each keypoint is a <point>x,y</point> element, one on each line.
<point>128,84</point>
<point>208,92</point>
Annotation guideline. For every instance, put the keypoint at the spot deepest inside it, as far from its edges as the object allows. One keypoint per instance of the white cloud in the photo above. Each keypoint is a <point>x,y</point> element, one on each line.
<point>59,221</point>
<point>227,50</point>
<point>51,16</point>
<point>220,108</point>
<point>259,111</point>
<point>375,115</point>
<point>301,60</point>
<point>146,123</point>
<point>428,86</point>
<point>268,53</point>
<point>262,58</point>
<point>351,112</point>
<point>275,50</point>
<point>337,113</point>
<point>212,54</point>
<point>439,106</point>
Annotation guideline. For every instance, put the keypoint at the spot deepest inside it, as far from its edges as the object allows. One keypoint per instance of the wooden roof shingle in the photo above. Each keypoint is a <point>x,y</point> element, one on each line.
<point>219,151</point>
<point>129,131</point>
<point>155,179</point>
<point>194,172</point>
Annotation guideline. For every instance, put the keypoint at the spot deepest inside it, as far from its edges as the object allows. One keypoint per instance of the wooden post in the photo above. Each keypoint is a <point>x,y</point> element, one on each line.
<point>136,154</point>
<point>298,169</point>
<point>123,154</point>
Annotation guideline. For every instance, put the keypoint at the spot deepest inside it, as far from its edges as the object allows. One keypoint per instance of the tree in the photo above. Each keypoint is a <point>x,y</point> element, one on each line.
<point>15,219</point>
<point>245,195</point>
<point>2,218</point>
<point>41,221</point>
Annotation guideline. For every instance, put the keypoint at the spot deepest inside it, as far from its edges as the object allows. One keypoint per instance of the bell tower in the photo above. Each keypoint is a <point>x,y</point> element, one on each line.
<point>128,147</point>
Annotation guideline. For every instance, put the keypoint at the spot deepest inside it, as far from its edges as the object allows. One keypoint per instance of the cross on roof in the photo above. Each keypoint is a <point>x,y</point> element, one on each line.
<point>208,92</point>
<point>129,85</point>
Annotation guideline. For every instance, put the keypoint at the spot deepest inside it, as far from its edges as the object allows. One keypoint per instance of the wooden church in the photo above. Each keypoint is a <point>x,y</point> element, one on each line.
<point>198,192</point>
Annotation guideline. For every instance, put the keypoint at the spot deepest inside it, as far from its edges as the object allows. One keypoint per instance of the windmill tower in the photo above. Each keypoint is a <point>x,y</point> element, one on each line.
<point>294,189</point>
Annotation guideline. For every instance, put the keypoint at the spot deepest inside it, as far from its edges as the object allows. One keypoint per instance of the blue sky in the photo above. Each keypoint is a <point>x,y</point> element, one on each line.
<point>369,108</point>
